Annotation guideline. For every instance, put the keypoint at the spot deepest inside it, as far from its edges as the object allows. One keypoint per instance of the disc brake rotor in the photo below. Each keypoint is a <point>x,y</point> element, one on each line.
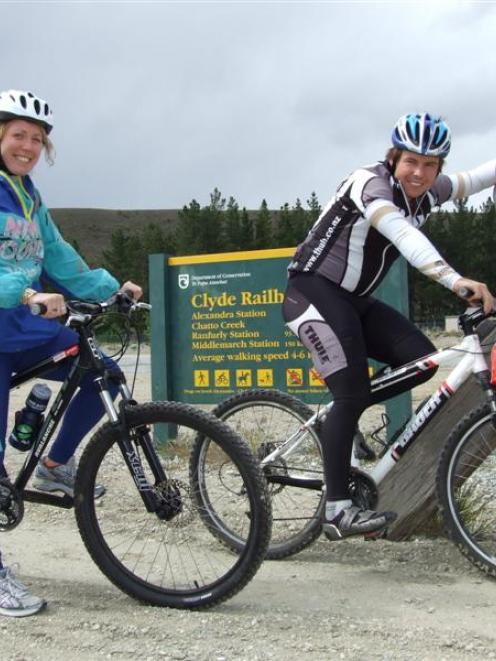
<point>176,505</point>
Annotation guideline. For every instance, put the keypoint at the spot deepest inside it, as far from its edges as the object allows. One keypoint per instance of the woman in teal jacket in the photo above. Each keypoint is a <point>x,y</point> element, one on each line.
<point>32,249</point>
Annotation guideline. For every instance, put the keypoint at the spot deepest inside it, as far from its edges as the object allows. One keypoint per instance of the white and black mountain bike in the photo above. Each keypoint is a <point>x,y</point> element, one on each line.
<point>284,433</point>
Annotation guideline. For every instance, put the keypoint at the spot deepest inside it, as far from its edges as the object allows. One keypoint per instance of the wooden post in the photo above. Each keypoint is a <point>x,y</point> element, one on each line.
<point>161,382</point>
<point>410,487</point>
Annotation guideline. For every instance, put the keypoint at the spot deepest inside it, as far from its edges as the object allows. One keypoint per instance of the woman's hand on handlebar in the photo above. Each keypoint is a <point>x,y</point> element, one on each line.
<point>53,303</point>
<point>476,293</point>
<point>131,288</point>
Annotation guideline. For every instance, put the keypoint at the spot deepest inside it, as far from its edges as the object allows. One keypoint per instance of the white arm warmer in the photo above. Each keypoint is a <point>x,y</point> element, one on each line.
<point>411,242</point>
<point>473,181</point>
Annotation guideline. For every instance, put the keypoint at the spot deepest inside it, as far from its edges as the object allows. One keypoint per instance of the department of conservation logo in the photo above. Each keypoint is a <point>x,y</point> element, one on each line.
<point>183,280</point>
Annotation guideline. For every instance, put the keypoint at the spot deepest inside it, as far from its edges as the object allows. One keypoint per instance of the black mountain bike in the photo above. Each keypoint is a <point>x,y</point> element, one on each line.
<point>149,535</point>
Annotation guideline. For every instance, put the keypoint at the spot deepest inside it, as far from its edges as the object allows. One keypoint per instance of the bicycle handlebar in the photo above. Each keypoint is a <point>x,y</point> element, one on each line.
<point>122,300</point>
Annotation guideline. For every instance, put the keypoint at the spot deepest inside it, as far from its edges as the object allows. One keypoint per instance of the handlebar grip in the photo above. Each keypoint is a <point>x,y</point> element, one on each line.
<point>38,309</point>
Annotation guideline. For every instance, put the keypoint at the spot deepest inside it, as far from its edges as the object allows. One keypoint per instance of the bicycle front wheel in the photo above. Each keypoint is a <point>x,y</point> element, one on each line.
<point>168,558</point>
<point>266,419</point>
<point>466,484</point>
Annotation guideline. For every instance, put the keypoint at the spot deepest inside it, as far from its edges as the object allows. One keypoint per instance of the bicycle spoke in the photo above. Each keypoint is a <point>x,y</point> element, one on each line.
<point>271,423</point>
<point>169,554</point>
<point>468,489</point>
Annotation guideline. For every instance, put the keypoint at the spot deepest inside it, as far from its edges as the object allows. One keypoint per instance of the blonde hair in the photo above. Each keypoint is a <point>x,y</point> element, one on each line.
<point>47,143</point>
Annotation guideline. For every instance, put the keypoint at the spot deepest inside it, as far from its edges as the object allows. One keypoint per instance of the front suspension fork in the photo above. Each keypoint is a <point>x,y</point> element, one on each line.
<point>484,379</point>
<point>133,461</point>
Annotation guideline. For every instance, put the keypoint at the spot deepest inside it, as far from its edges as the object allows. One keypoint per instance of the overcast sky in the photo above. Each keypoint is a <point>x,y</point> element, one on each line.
<point>158,103</point>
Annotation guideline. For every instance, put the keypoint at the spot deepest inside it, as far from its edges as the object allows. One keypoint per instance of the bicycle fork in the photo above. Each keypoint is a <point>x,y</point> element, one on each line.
<point>164,504</point>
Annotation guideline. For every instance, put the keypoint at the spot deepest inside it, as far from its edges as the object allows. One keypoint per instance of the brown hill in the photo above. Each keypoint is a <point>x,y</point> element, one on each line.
<point>92,229</point>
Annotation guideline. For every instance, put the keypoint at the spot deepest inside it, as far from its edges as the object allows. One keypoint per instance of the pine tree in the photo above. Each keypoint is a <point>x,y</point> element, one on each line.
<point>299,223</point>
<point>232,226</point>
<point>188,229</point>
<point>486,241</point>
<point>314,208</point>
<point>124,258</point>
<point>212,225</point>
<point>284,229</point>
<point>263,227</point>
<point>247,231</point>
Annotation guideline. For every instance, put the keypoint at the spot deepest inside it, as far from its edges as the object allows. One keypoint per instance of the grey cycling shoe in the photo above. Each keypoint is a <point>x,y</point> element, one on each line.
<point>60,478</point>
<point>15,598</point>
<point>355,521</point>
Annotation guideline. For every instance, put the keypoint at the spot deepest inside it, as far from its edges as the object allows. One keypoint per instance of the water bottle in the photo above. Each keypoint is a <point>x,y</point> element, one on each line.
<point>29,419</point>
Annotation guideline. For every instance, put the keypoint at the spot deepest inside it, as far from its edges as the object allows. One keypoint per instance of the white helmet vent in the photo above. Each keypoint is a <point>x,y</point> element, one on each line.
<point>15,104</point>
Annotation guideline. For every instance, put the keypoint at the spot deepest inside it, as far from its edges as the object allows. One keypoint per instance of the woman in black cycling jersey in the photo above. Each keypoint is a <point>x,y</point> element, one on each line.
<point>374,217</point>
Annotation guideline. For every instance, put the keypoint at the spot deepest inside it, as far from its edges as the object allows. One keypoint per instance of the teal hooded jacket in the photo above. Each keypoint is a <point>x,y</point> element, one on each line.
<point>32,248</point>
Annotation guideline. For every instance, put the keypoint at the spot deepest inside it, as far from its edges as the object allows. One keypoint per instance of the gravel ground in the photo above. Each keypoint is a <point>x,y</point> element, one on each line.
<point>349,600</point>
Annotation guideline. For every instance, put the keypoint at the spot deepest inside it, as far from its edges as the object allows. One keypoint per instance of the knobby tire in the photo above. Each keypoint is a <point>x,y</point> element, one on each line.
<point>466,486</point>
<point>264,419</point>
<point>175,563</point>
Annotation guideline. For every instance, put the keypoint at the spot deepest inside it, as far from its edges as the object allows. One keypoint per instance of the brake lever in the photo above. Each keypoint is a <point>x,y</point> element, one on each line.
<point>126,303</point>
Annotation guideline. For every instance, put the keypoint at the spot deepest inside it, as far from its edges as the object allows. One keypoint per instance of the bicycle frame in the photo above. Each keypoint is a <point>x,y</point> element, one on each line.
<point>84,356</point>
<point>52,418</point>
<point>469,359</point>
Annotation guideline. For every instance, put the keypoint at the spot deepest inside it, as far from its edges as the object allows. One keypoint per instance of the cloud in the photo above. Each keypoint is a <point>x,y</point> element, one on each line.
<point>158,103</point>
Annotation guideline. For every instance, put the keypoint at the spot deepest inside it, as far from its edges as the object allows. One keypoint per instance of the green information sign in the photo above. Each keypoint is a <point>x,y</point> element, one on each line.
<point>217,327</point>
<point>233,335</point>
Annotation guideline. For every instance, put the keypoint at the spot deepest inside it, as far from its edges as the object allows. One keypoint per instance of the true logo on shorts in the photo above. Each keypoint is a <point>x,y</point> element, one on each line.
<point>317,344</point>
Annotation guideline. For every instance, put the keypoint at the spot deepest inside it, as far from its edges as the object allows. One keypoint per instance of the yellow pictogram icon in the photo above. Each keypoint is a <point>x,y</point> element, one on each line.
<point>314,378</point>
<point>294,376</point>
<point>221,378</point>
<point>265,378</point>
<point>243,378</point>
<point>201,378</point>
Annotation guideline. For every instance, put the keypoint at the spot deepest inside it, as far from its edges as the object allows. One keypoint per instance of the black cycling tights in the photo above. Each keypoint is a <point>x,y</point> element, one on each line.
<point>360,328</point>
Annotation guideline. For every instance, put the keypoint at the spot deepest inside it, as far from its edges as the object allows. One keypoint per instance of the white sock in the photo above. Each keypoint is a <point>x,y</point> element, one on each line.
<point>335,507</point>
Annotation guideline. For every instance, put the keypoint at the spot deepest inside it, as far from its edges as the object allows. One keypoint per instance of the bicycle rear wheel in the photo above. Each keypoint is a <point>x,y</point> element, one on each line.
<point>173,562</point>
<point>466,483</point>
<point>265,419</point>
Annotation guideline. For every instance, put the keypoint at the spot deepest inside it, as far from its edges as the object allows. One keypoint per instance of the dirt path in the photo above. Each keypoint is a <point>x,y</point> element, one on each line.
<point>349,600</point>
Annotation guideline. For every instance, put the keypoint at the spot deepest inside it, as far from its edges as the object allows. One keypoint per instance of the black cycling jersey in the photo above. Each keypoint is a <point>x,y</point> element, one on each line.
<point>345,247</point>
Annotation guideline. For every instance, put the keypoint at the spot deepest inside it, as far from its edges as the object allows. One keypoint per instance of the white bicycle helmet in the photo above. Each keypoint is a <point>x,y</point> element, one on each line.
<point>422,134</point>
<point>15,104</point>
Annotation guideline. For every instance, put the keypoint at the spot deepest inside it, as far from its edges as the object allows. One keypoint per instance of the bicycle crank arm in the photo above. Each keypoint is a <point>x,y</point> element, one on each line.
<point>65,501</point>
<point>303,483</point>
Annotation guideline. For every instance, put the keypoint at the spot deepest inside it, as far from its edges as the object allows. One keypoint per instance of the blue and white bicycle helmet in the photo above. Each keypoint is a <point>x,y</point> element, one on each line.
<point>422,134</point>
<point>15,104</point>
